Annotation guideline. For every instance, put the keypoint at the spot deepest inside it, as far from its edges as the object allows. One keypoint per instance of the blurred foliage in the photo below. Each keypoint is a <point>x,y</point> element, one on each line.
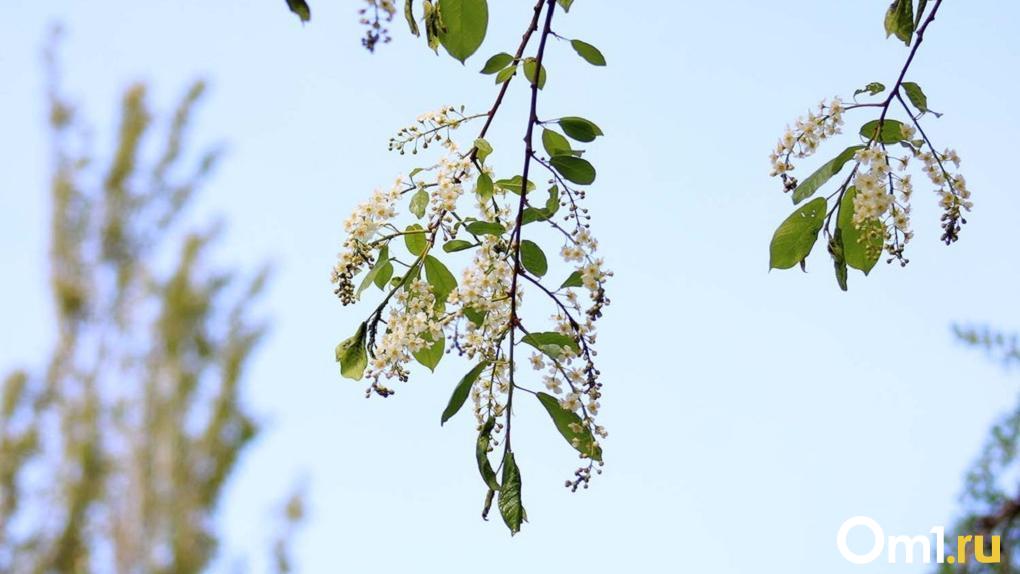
<point>114,455</point>
<point>991,497</point>
<point>1002,346</point>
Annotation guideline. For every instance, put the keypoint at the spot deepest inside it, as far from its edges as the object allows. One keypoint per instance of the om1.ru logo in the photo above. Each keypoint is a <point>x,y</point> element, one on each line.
<point>914,547</point>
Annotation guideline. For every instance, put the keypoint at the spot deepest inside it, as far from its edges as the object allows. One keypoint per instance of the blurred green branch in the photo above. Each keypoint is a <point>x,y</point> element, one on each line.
<point>114,457</point>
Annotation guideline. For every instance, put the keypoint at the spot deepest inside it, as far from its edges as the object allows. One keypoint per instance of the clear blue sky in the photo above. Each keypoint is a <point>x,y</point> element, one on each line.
<point>749,412</point>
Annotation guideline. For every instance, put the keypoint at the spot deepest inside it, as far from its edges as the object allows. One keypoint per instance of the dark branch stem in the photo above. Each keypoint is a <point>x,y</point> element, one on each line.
<point>918,38</point>
<point>525,39</point>
<point>515,236</point>
<point>893,94</point>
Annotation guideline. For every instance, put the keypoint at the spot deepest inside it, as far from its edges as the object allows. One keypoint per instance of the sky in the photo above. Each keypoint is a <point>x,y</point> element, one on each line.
<point>750,413</point>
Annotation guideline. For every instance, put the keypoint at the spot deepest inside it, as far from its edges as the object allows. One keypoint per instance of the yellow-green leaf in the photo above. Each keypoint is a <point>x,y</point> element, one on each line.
<point>533,258</point>
<point>590,53</point>
<point>414,239</point>
<point>461,392</point>
<point>571,427</point>
<point>862,246</point>
<point>409,16</point>
<point>301,8</point>
<point>811,183</point>
<point>439,277</point>
<point>482,454</point>
<point>793,240</point>
<point>464,25</point>
<point>510,505</point>
<point>352,355</point>
<point>574,169</point>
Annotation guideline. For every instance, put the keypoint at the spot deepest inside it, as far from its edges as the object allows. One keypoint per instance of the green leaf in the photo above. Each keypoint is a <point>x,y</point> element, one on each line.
<point>552,205</point>
<point>474,315</point>
<point>414,239</point>
<point>482,149</point>
<point>409,16</point>
<point>431,355</point>
<point>530,65</point>
<point>810,185</point>
<point>439,277</point>
<point>565,4</point>
<point>916,96</point>
<point>899,20</point>
<point>456,245</point>
<point>793,240</point>
<point>419,202</point>
<point>892,131</point>
<point>838,259</point>
<point>373,274</point>
<point>514,184</point>
<point>571,427</point>
<point>862,247</point>
<point>384,276</point>
<point>573,281</point>
<point>482,454</point>
<point>533,258</point>
<point>485,228</point>
<point>483,186</point>
<point>352,355</point>
<point>497,63</point>
<point>579,129</point>
<point>300,7</point>
<point>872,89</point>
<point>590,53</point>
<point>506,73</point>
<point>574,169</point>
<point>552,343</point>
<point>510,505</point>
<point>461,392</point>
<point>555,144</point>
<point>465,23</point>
<point>532,214</point>
<point>433,25</point>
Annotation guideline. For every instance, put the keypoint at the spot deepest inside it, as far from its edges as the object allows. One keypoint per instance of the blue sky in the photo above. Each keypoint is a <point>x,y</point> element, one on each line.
<point>749,412</point>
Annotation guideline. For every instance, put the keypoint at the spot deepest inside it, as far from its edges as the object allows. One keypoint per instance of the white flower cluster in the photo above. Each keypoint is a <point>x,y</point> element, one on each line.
<point>952,188</point>
<point>429,127</point>
<point>479,316</point>
<point>807,134</point>
<point>482,292</point>
<point>411,325</point>
<point>361,226</point>
<point>881,192</point>
<point>581,249</point>
<point>872,199</point>
<point>954,196</point>
<point>453,169</point>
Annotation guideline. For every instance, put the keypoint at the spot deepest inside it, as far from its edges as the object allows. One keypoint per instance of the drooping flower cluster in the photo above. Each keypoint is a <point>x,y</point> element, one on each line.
<point>872,200</point>
<point>429,310</point>
<point>428,128</point>
<point>954,197</point>
<point>885,195</point>
<point>452,170</point>
<point>803,139</point>
<point>361,226</point>
<point>881,206</point>
<point>412,324</point>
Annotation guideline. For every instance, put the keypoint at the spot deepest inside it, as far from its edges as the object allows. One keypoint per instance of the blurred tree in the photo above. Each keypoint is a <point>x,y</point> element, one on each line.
<point>991,497</point>
<point>114,455</point>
